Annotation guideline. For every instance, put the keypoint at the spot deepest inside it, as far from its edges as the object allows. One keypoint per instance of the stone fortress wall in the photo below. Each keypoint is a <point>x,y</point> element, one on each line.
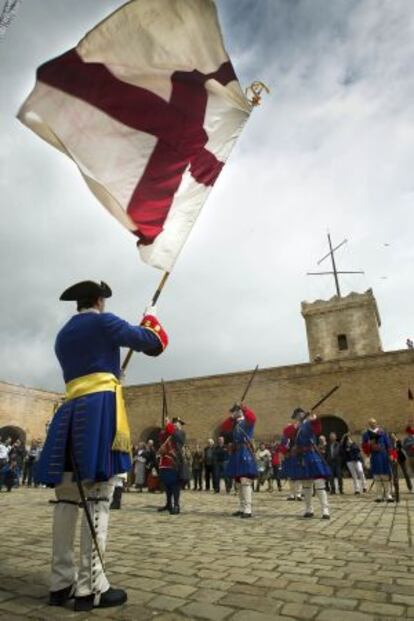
<point>370,386</point>
<point>372,383</point>
<point>25,408</point>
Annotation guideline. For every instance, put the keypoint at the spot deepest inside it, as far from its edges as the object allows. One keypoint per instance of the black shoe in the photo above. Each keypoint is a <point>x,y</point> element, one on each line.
<point>379,500</point>
<point>165,508</point>
<point>390,500</point>
<point>245,516</point>
<point>111,597</point>
<point>59,598</point>
<point>326,516</point>
<point>290,498</point>
<point>175,510</point>
<point>308,514</point>
<point>237,514</point>
<point>85,603</point>
<point>357,493</point>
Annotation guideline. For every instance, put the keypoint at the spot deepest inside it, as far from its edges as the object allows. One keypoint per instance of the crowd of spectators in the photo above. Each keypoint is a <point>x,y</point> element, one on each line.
<point>205,467</point>
<point>17,462</point>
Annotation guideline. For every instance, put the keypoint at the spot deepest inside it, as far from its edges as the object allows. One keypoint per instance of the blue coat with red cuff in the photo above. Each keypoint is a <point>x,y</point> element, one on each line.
<point>302,460</point>
<point>377,445</point>
<point>90,342</point>
<point>242,461</point>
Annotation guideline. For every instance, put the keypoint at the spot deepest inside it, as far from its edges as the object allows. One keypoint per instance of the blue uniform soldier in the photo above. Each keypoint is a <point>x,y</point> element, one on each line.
<point>305,463</point>
<point>376,444</point>
<point>89,439</point>
<point>241,465</point>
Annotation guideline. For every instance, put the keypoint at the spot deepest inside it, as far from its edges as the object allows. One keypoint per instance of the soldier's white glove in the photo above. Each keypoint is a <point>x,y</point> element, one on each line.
<point>151,310</point>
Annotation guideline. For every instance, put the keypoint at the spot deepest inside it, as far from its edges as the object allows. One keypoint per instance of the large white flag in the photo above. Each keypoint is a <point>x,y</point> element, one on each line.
<point>148,106</point>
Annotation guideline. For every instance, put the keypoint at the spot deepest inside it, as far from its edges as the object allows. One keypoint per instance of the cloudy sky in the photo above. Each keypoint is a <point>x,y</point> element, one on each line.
<point>332,148</point>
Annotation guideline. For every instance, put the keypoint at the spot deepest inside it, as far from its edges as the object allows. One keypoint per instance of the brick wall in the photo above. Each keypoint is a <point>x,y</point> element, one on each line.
<point>374,385</point>
<point>27,408</point>
<point>371,386</point>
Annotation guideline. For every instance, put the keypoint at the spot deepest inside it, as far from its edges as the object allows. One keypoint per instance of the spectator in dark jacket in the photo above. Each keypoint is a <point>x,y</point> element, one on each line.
<point>334,459</point>
<point>402,460</point>
<point>220,459</point>
<point>408,446</point>
<point>208,463</point>
<point>197,466</point>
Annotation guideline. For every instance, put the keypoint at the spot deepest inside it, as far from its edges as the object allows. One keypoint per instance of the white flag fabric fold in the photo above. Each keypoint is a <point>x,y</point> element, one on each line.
<point>149,107</point>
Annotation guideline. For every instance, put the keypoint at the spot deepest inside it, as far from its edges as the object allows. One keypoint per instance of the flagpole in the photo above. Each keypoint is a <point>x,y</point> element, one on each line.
<point>153,302</point>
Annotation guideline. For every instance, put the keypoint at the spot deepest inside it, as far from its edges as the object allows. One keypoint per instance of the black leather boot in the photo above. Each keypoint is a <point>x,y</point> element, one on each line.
<point>116,499</point>
<point>111,597</point>
<point>59,598</point>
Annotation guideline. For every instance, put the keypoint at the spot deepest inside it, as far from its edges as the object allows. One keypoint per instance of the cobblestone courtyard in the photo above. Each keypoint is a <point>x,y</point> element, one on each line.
<point>205,564</point>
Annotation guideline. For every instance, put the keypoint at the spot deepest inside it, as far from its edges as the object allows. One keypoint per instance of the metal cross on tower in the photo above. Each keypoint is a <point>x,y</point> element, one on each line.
<point>334,272</point>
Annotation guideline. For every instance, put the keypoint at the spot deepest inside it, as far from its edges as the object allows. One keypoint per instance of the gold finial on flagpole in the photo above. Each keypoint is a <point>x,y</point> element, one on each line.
<point>254,92</point>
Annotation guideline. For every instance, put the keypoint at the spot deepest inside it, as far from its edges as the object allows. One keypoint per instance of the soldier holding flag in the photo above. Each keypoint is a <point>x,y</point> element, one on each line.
<point>89,440</point>
<point>149,119</point>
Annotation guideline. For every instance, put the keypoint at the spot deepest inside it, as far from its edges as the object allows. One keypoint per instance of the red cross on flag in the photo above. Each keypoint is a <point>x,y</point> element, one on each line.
<point>148,107</point>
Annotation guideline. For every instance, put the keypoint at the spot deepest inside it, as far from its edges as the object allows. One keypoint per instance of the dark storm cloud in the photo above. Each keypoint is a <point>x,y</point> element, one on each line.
<point>332,146</point>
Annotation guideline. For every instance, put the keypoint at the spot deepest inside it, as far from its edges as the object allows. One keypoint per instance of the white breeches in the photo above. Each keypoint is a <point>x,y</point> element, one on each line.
<point>91,577</point>
<point>245,495</point>
<point>357,473</point>
<point>320,493</point>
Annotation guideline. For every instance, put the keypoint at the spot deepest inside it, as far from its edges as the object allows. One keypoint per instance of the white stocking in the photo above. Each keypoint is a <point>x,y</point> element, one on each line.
<point>307,495</point>
<point>322,495</point>
<point>246,495</point>
<point>64,526</point>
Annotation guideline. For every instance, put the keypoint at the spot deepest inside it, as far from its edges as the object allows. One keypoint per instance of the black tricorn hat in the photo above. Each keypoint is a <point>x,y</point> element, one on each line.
<point>235,408</point>
<point>176,419</point>
<point>86,289</point>
<point>298,414</point>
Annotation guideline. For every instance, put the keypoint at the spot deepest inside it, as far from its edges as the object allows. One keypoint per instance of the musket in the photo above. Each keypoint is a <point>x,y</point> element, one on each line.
<point>313,408</point>
<point>395,479</point>
<point>394,469</point>
<point>164,405</point>
<point>249,383</point>
<point>164,416</point>
<point>249,443</point>
<point>324,398</point>
<point>84,504</point>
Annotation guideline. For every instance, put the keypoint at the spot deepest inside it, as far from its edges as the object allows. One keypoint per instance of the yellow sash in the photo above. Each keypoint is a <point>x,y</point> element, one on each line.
<point>101,382</point>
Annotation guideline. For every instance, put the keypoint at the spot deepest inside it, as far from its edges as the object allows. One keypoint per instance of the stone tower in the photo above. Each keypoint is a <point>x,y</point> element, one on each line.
<point>342,327</point>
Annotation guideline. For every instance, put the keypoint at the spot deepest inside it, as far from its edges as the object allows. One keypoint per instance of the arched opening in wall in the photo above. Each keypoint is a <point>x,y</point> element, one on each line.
<point>14,433</point>
<point>333,424</point>
<point>151,433</point>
